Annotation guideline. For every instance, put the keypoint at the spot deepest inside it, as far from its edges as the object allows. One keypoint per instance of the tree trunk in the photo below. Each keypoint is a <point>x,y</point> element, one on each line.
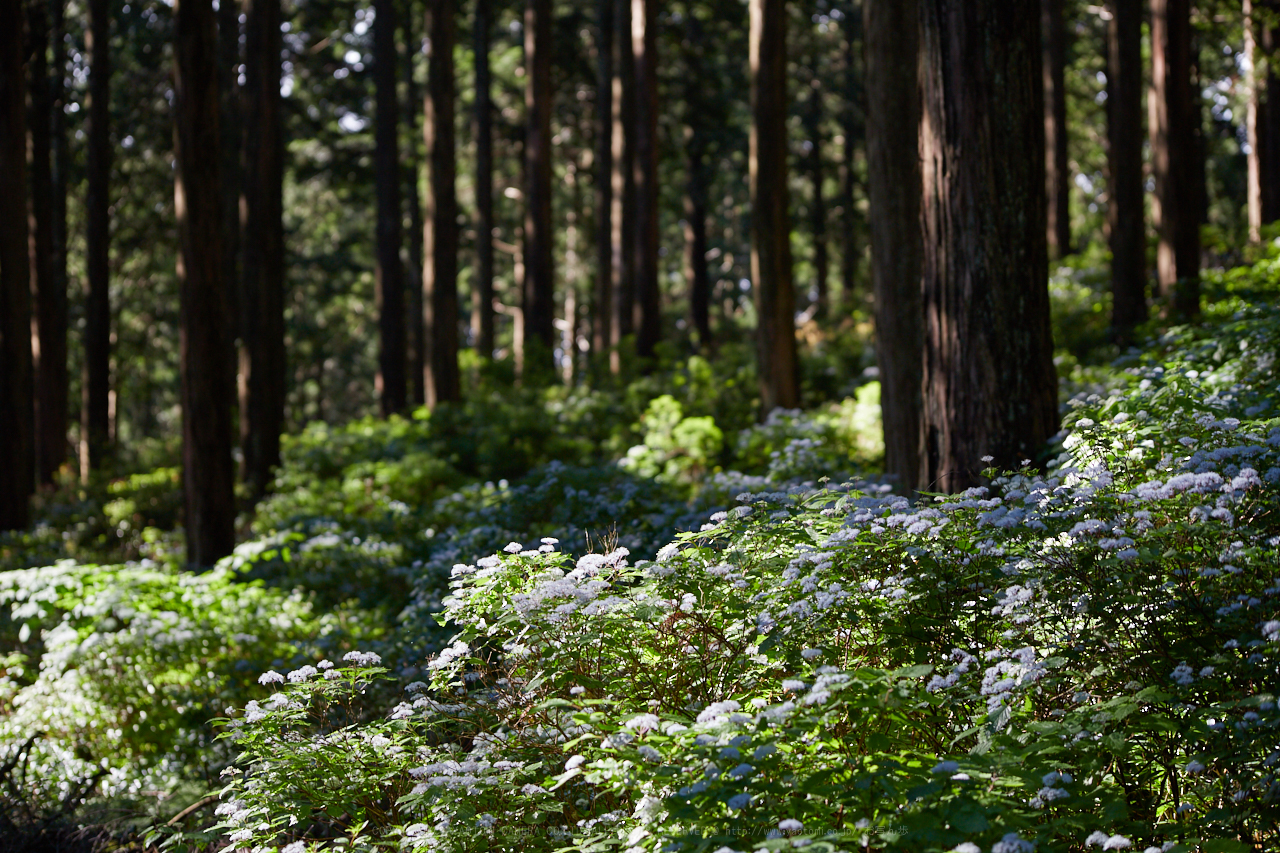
<point>893,183</point>
<point>417,341</point>
<point>696,275</point>
<point>48,345</point>
<point>644,47</point>
<point>623,213</point>
<point>53,385</point>
<point>1057,175</point>
<point>440,273</point>
<point>1124,164</point>
<point>262,354</point>
<point>989,387</point>
<point>1174,207</point>
<point>1255,107</point>
<point>539,271</point>
<point>482,298</point>
<point>205,340</point>
<point>17,468</point>
<point>770,222</point>
<point>388,274</point>
<point>229,120</point>
<point>1269,120</point>
<point>602,309</point>
<point>817,204</point>
<point>96,382</point>
<point>851,126</point>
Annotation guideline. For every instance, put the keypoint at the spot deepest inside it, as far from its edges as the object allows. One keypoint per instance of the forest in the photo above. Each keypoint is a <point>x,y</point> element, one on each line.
<point>701,426</point>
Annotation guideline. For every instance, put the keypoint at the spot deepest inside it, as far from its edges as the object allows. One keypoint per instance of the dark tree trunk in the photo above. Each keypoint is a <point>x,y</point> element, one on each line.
<point>440,273</point>
<point>53,383</point>
<point>262,354</point>
<point>623,213</point>
<point>482,298</point>
<point>644,47</point>
<point>96,382</point>
<point>696,275</point>
<point>817,204</point>
<point>770,222</point>
<point>1255,110</point>
<point>851,126</point>
<point>48,344</point>
<point>388,273</point>
<point>539,271</point>
<point>205,339</point>
<point>417,341</point>
<point>1057,175</point>
<point>1174,207</point>
<point>602,309</point>
<point>1124,163</point>
<point>1269,120</point>
<point>893,183</point>
<point>990,387</point>
<point>229,120</point>
<point>17,468</point>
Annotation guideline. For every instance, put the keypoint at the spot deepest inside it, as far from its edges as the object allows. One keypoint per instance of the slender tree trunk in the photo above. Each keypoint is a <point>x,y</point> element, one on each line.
<point>990,387</point>
<point>96,382</point>
<point>817,204</point>
<point>602,310</point>
<point>1174,207</point>
<point>440,275</point>
<point>770,220</point>
<point>52,305</point>
<point>17,468</point>
<point>229,105</point>
<point>1057,175</point>
<point>696,275</point>
<point>851,126</point>
<point>893,183</point>
<point>1255,108</point>
<point>1269,119</point>
<point>205,334</point>
<point>644,47</point>
<point>50,433</point>
<point>1124,163</point>
<point>482,297</point>
<point>388,274</point>
<point>539,271</point>
<point>262,354</point>
<point>417,341</point>
<point>623,215</point>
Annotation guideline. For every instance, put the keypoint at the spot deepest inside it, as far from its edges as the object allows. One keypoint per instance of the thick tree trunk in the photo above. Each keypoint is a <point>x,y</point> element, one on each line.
<point>623,214</point>
<point>48,345</point>
<point>1057,175</point>
<point>229,105</point>
<point>1124,163</point>
<point>53,383</point>
<point>205,340</point>
<point>1174,207</point>
<point>851,126</point>
<point>893,183</point>
<point>17,468</point>
<point>539,270</point>
<point>96,381</point>
<point>388,273</point>
<point>696,275</point>
<point>440,273</point>
<point>602,309</point>
<point>1255,109</point>
<point>644,47</point>
<point>1269,119</point>
<point>770,222</point>
<point>482,294</point>
<point>262,354</point>
<point>990,387</point>
<point>817,203</point>
<point>411,171</point>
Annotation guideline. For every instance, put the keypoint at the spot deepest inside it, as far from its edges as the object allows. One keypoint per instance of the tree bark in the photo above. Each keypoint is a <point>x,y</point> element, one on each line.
<point>229,120</point>
<point>417,341</point>
<point>539,270</point>
<point>205,340</point>
<point>440,274</point>
<point>623,212</point>
<point>851,126</point>
<point>52,304</point>
<point>1175,205</point>
<point>893,183</point>
<point>1124,164</point>
<point>602,309</point>
<point>989,386</point>
<point>482,297</point>
<point>1057,174</point>
<point>696,275</point>
<point>262,353</point>
<point>1269,119</point>
<point>1255,108</point>
<point>644,48</point>
<point>770,221</point>
<point>17,468</point>
<point>388,273</point>
<point>817,203</point>
<point>96,381</point>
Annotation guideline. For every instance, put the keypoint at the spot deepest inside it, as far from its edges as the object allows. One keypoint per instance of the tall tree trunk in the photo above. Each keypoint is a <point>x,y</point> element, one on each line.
<point>1255,109</point>
<point>990,387</point>
<point>388,274</point>
<point>440,274</point>
<point>770,222</point>
<point>205,339</point>
<point>602,309</point>
<point>47,344</point>
<point>96,382</point>
<point>1124,164</point>
<point>623,213</point>
<point>644,47</point>
<point>229,105</point>
<point>1269,120</point>
<point>851,126</point>
<point>696,275</point>
<point>482,297</point>
<point>817,204</point>
<point>539,270</point>
<point>1174,207</point>
<point>1057,175</point>
<point>417,341</point>
<point>17,468</point>
<point>893,183</point>
<point>51,309</point>
<point>262,354</point>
